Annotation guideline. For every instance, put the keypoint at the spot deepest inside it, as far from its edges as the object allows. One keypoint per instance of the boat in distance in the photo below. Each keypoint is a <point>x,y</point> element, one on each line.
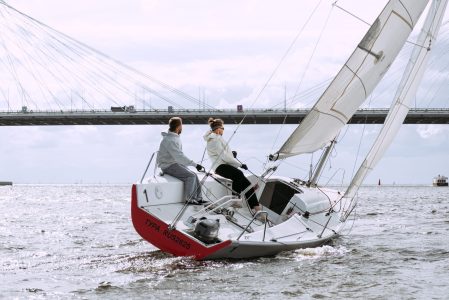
<point>440,180</point>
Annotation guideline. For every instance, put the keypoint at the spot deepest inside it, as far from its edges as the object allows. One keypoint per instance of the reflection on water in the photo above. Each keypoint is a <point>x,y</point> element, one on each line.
<point>77,241</point>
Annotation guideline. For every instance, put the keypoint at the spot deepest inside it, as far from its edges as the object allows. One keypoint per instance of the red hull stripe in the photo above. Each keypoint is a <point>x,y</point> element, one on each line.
<point>157,233</point>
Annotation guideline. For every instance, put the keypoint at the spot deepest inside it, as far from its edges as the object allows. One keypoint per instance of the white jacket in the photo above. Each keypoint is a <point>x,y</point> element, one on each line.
<point>218,151</point>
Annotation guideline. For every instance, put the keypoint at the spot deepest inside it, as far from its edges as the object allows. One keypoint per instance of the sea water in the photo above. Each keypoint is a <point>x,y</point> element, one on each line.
<point>78,242</point>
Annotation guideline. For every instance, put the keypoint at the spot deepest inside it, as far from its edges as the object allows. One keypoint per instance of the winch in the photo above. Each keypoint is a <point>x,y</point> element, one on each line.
<point>206,230</point>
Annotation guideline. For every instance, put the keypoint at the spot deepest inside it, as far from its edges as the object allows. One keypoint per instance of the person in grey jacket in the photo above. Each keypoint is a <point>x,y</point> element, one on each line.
<point>172,161</point>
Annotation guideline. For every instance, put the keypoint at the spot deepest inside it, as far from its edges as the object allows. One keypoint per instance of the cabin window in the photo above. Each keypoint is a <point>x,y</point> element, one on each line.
<point>276,196</point>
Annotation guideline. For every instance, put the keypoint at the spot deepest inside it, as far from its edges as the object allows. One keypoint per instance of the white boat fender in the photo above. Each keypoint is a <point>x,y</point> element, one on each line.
<point>206,230</point>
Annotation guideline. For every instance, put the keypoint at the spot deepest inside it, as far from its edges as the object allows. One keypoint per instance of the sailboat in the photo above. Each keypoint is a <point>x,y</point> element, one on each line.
<point>298,213</point>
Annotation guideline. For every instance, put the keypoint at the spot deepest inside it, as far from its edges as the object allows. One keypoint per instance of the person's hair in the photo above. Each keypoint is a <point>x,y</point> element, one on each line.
<point>215,123</point>
<point>173,123</point>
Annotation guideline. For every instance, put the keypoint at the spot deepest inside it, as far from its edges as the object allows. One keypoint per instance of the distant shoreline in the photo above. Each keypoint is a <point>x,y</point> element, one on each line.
<point>131,183</point>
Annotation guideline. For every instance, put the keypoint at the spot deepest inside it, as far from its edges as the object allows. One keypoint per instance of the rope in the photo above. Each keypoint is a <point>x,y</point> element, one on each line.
<point>349,13</point>
<point>275,69</point>
<point>302,77</point>
<point>313,52</point>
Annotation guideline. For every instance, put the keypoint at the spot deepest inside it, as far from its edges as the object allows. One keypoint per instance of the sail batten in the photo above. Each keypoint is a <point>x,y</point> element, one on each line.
<point>357,78</point>
<point>406,91</point>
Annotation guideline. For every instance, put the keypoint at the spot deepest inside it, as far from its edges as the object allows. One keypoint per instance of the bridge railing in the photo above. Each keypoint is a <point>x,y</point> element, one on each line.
<point>206,111</point>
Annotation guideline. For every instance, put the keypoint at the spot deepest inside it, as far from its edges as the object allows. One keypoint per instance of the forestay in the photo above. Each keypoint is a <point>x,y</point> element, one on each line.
<point>404,95</point>
<point>357,78</point>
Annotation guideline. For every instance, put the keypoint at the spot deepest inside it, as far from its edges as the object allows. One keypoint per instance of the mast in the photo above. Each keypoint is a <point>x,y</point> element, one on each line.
<point>316,175</point>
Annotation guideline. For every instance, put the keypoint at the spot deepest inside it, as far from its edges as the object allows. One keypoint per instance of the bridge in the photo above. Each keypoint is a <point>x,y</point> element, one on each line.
<point>200,116</point>
<point>57,80</point>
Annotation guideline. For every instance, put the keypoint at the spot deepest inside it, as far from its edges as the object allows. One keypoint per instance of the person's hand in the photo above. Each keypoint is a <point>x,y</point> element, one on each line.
<point>234,153</point>
<point>244,167</point>
<point>199,168</point>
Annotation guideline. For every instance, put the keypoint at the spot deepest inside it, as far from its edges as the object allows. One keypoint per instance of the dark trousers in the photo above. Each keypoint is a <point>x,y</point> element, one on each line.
<point>239,182</point>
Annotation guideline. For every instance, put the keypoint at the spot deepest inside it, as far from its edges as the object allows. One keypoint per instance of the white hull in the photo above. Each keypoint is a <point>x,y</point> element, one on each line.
<point>298,217</point>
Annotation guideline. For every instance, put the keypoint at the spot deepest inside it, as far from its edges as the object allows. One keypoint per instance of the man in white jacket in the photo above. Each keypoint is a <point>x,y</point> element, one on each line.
<point>172,161</point>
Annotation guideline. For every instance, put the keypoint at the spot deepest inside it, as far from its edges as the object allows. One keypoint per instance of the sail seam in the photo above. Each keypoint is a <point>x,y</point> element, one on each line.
<point>408,13</point>
<point>331,115</point>
<point>346,118</point>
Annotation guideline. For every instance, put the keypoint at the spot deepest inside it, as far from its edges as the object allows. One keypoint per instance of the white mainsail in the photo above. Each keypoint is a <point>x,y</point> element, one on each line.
<point>404,95</point>
<point>357,78</point>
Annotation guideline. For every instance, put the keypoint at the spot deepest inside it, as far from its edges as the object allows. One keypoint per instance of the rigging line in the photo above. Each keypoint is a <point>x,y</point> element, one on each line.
<point>360,142</point>
<point>74,63</point>
<point>48,55</point>
<point>430,40</point>
<point>10,61</point>
<point>318,90</point>
<point>94,75</point>
<point>363,21</point>
<point>313,52</point>
<point>280,62</point>
<point>161,96</point>
<point>351,14</point>
<point>5,98</point>
<point>101,54</point>
<point>353,221</point>
<point>440,45</point>
<point>29,67</point>
<point>418,45</point>
<point>344,133</point>
<point>302,77</point>
<point>295,166</point>
<point>273,73</point>
<point>295,95</point>
<point>435,95</point>
<point>126,90</point>
<point>335,173</point>
<point>304,94</point>
<point>438,50</point>
<point>378,93</point>
<point>82,78</point>
<point>32,70</point>
<point>139,82</point>
<point>435,82</point>
<point>21,91</point>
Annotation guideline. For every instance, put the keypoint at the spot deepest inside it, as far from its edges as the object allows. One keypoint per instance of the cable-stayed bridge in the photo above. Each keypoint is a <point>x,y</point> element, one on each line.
<point>49,78</point>
<point>200,116</point>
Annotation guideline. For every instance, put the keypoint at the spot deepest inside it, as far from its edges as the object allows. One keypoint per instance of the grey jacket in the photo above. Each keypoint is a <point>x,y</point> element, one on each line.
<point>170,152</point>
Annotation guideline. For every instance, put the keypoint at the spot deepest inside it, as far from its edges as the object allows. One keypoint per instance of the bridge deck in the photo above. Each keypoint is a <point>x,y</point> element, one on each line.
<point>255,116</point>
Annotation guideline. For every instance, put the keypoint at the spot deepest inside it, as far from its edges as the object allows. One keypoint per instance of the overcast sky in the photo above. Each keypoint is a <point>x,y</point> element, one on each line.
<point>228,49</point>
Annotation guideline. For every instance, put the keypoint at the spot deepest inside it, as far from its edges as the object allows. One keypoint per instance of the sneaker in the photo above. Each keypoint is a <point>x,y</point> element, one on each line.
<point>193,202</point>
<point>203,202</point>
<point>237,203</point>
<point>197,202</point>
<point>262,218</point>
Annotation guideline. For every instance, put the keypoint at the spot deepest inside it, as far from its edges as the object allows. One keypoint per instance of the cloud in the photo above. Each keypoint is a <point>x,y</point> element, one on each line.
<point>433,131</point>
<point>226,50</point>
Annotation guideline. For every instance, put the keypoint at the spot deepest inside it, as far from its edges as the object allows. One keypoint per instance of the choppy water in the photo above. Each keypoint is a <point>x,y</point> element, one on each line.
<point>77,241</point>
